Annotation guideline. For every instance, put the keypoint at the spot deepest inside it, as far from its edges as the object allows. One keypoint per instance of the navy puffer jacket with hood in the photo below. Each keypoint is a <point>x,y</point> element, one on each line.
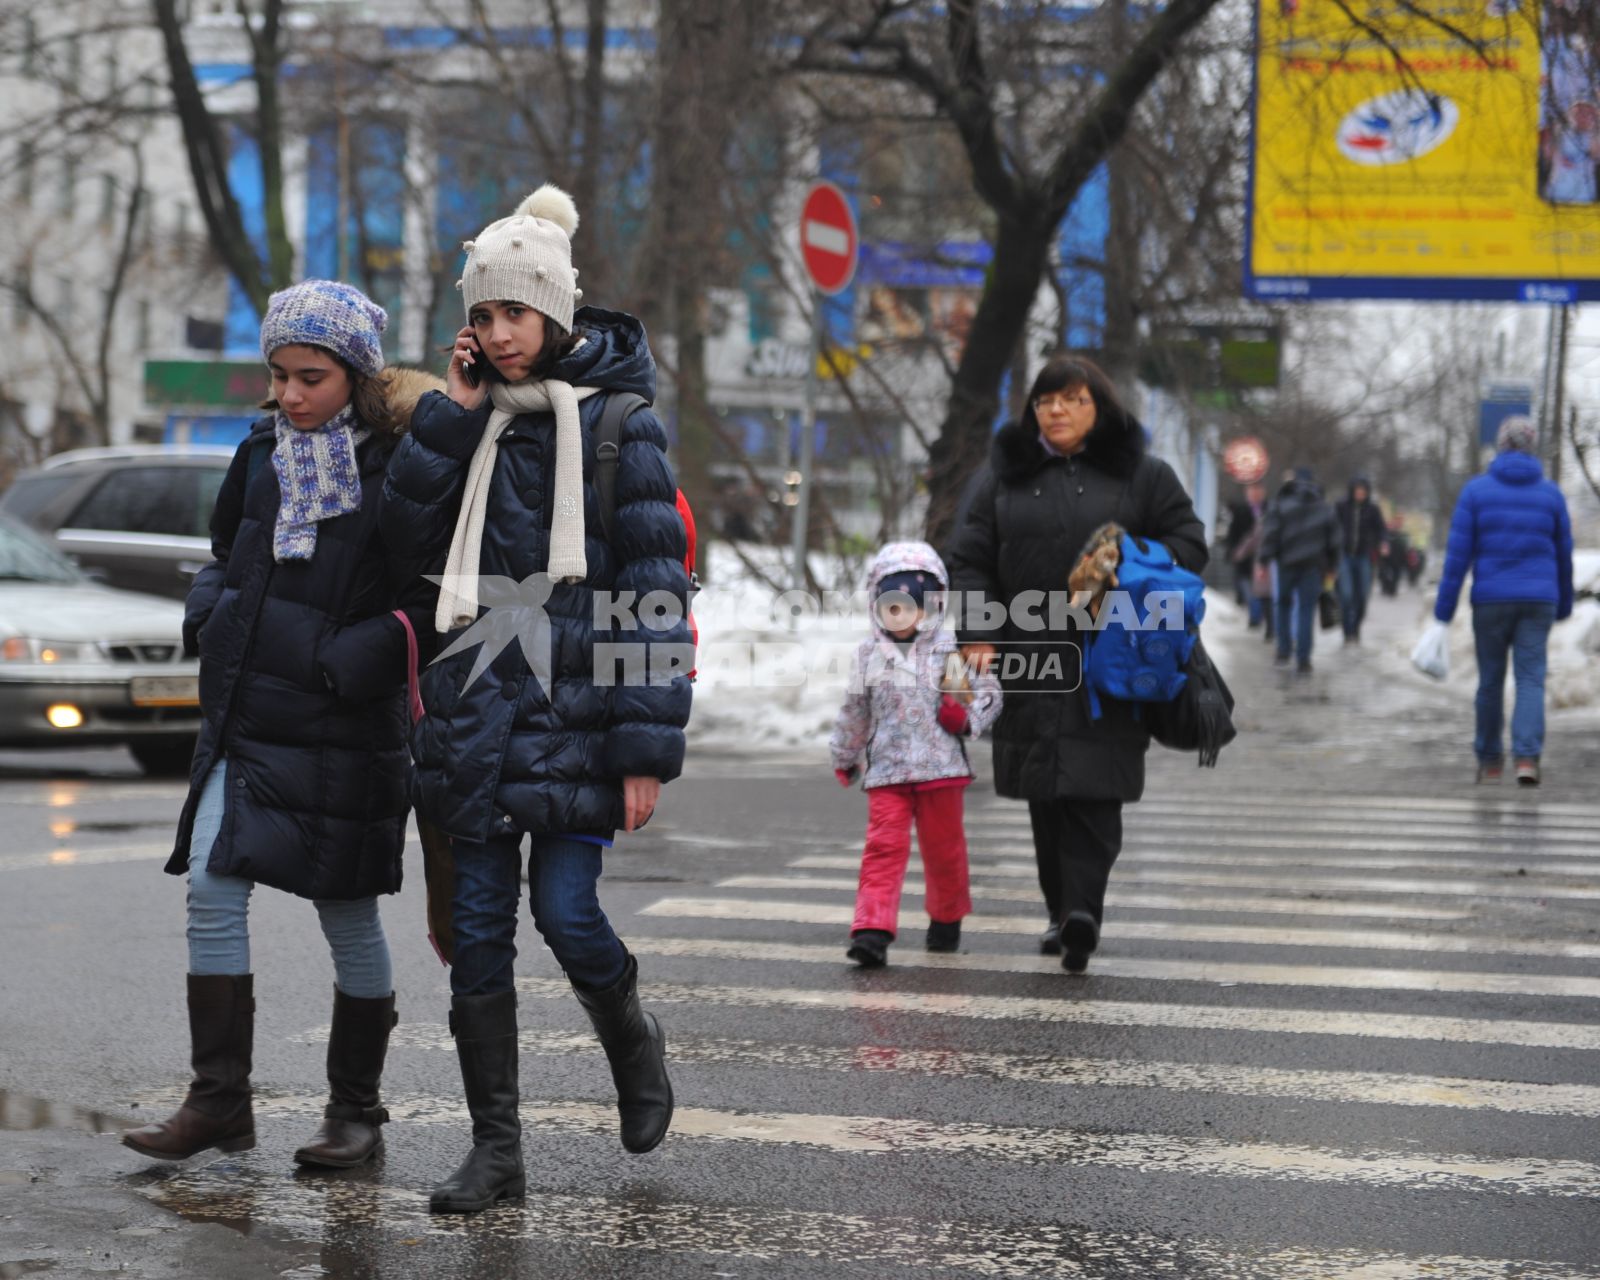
<point>499,752</point>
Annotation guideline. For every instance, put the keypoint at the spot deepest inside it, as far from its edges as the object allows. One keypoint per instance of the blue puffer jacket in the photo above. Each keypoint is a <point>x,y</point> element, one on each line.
<point>1512,530</point>
<point>499,752</point>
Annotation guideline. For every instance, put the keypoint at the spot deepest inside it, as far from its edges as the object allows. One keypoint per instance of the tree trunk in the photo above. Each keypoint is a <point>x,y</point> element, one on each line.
<point>1021,253</point>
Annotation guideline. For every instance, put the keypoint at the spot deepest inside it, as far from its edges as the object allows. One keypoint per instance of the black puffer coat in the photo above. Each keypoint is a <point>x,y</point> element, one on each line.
<point>1023,523</point>
<point>1300,530</point>
<point>499,751</point>
<point>303,687</point>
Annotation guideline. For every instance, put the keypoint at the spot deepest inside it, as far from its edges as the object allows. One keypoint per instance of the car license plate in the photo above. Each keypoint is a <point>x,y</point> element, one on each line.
<point>164,691</point>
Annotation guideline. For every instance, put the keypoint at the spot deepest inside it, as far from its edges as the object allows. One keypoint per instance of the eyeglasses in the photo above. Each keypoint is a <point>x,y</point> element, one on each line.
<point>1061,401</point>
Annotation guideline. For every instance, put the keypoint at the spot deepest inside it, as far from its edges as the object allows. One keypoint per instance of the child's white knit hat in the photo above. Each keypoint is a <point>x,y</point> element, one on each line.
<point>527,258</point>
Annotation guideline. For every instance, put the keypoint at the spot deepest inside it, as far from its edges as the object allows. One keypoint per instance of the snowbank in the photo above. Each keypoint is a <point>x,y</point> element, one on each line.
<point>771,680</point>
<point>1573,677</point>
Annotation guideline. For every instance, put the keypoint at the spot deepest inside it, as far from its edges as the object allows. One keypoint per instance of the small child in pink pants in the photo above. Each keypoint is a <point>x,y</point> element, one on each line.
<point>910,734</point>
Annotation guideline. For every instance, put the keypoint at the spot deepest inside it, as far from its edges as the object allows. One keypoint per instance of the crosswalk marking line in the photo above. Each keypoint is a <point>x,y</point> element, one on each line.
<point>763,1235</point>
<point>1374,1087</point>
<point>1143,855</point>
<point>1241,903</point>
<point>1118,1013</point>
<point>1524,888</point>
<point>1144,836</point>
<point>1300,822</point>
<point>1158,930</point>
<point>1167,1153</point>
<point>1516,806</point>
<point>1216,972</point>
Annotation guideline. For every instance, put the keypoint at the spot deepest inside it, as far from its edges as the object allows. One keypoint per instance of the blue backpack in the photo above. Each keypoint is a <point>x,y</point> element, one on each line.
<point>1141,644</point>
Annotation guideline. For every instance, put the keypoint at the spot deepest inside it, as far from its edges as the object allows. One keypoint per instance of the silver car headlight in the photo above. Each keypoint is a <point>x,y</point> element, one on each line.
<point>50,652</point>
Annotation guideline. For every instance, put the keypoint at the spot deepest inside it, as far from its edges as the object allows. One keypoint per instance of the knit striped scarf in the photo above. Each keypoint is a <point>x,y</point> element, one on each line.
<point>317,480</point>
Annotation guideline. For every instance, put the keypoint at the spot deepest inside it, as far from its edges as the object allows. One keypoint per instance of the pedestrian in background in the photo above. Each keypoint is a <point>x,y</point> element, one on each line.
<point>1361,534</point>
<point>1300,534</point>
<point>492,482</point>
<point>908,729</point>
<point>299,779</point>
<point>1512,531</point>
<point>1075,462</point>
<point>1241,544</point>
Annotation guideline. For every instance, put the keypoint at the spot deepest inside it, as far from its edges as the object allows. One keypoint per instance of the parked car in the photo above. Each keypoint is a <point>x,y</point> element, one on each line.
<point>136,517</point>
<point>86,664</point>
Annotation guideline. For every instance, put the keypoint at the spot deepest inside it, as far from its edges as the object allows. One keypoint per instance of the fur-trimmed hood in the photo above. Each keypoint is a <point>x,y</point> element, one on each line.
<point>1114,446</point>
<point>399,389</point>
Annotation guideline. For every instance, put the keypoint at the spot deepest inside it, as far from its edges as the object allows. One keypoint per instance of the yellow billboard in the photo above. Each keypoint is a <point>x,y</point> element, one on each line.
<point>1426,149</point>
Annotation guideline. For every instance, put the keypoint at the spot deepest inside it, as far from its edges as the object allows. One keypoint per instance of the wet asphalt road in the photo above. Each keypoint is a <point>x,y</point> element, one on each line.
<point>1342,1024</point>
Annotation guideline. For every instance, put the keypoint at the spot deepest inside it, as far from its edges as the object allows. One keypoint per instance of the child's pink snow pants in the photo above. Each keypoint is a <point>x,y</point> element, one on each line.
<point>941,839</point>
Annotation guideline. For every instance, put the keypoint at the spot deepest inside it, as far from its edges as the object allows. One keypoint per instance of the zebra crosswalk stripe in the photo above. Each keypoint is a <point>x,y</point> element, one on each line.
<point>1249,935</point>
<point>1244,904</point>
<point>1120,1013</point>
<point>869,1135</point>
<point>1135,853</point>
<point>1228,973</point>
<point>1375,1088</point>
<point>1520,887</point>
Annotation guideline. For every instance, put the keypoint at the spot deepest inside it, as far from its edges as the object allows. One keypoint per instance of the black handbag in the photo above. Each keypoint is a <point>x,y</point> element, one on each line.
<point>1200,718</point>
<point>1328,610</point>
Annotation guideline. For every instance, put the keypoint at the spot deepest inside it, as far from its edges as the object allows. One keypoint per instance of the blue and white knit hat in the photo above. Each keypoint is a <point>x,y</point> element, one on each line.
<point>327,314</point>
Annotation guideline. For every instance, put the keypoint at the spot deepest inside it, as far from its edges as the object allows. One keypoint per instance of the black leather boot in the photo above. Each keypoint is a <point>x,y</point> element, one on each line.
<point>222,1021</point>
<point>637,1050</point>
<point>485,1028</point>
<point>357,1045</point>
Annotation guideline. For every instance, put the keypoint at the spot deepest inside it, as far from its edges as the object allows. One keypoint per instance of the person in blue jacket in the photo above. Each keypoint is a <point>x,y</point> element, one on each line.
<point>1512,530</point>
<point>531,727</point>
<point>299,775</point>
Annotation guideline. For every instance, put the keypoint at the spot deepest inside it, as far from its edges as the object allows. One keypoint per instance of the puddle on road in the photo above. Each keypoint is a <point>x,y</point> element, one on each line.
<point>19,1112</point>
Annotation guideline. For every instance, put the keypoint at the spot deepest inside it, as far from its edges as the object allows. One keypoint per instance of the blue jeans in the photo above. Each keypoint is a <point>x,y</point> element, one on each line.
<point>562,877</point>
<point>1355,588</point>
<point>1523,627</point>
<point>1298,589</point>
<point>219,915</point>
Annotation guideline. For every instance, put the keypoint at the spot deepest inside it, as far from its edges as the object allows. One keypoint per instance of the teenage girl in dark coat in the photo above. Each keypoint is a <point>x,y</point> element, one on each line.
<point>1075,462</point>
<point>299,775</point>
<point>521,737</point>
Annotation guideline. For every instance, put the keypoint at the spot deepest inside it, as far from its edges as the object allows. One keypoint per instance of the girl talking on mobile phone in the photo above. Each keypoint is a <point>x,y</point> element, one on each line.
<point>497,480</point>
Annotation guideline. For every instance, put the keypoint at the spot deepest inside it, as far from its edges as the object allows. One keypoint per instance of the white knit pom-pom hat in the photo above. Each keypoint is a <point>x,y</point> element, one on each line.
<point>527,258</point>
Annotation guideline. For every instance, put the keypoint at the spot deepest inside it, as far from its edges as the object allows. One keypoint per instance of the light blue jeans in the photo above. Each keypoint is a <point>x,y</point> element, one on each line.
<point>219,914</point>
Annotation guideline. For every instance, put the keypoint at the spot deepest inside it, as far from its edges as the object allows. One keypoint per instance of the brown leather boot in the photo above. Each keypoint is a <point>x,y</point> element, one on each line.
<point>350,1132</point>
<point>222,1018</point>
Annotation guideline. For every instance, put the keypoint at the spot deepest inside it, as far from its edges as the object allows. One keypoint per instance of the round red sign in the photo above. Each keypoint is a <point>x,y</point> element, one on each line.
<point>828,240</point>
<point>1245,459</point>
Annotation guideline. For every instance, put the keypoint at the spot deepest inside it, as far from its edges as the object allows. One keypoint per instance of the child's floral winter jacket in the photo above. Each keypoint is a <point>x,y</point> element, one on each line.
<point>888,724</point>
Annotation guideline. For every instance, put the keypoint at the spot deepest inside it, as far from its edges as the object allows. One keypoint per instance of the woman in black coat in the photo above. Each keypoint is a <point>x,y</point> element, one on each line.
<point>1075,462</point>
<point>299,778</point>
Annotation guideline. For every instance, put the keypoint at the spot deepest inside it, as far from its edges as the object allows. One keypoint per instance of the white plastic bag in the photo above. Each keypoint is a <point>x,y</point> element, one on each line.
<point>1432,654</point>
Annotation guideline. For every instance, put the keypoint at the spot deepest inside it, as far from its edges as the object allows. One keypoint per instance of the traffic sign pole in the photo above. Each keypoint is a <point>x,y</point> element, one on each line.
<point>829,245</point>
<point>808,448</point>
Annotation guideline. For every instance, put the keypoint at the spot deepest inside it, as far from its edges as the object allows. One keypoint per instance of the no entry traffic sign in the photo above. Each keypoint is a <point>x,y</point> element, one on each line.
<point>828,240</point>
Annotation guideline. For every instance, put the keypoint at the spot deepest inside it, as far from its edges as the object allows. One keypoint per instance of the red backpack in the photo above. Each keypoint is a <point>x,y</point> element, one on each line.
<point>619,407</point>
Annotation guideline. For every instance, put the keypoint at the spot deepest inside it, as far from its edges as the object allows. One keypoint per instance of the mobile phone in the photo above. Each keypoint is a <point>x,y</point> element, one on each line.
<point>481,368</point>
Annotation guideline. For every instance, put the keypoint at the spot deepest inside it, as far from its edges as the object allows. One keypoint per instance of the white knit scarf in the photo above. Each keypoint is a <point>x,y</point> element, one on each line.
<point>458,591</point>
